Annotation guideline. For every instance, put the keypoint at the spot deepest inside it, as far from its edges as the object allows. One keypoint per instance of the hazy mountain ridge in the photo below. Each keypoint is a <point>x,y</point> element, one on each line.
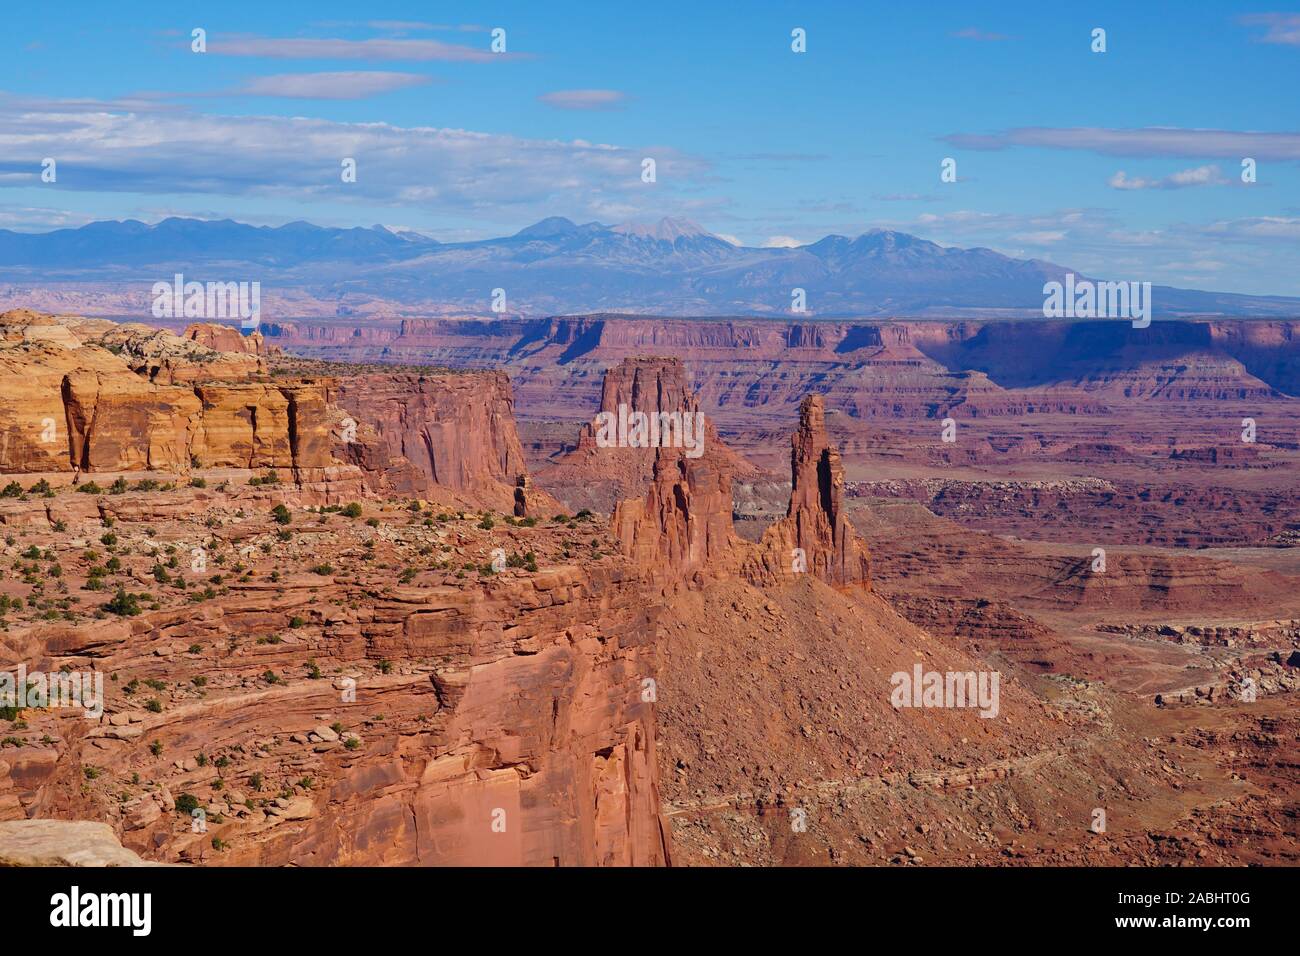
<point>558,266</point>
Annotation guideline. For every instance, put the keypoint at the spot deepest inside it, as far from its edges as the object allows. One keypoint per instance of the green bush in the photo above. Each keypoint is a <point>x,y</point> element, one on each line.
<point>186,803</point>
<point>124,604</point>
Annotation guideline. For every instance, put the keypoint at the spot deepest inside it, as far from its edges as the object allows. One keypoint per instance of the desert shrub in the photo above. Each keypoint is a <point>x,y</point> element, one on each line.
<point>123,604</point>
<point>186,803</point>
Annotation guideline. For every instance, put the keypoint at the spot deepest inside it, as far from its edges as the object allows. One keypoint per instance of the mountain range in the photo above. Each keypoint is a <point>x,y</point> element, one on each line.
<point>557,266</point>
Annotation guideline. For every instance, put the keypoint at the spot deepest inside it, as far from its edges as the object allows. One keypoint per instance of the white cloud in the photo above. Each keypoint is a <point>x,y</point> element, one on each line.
<point>1259,227</point>
<point>165,149</point>
<point>1252,255</point>
<point>1281,28</point>
<point>39,219</point>
<point>351,85</point>
<point>306,48</point>
<point>1149,141</point>
<point>906,197</point>
<point>583,99</point>
<point>975,33</point>
<point>781,242</point>
<point>1200,176</point>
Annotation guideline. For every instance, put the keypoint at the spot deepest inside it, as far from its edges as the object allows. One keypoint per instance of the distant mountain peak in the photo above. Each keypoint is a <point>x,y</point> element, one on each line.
<point>893,238</point>
<point>548,227</point>
<point>667,229</point>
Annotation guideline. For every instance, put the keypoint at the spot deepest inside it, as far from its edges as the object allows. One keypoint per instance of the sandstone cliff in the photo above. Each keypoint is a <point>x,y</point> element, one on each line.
<point>455,430</point>
<point>226,338</point>
<point>87,395</point>
<point>91,396</point>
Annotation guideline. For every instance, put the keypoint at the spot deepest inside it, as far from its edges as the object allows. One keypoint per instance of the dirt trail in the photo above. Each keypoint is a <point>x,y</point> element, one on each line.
<point>931,779</point>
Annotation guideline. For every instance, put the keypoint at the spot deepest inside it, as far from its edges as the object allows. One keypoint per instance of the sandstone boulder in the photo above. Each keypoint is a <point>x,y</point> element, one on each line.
<point>63,843</point>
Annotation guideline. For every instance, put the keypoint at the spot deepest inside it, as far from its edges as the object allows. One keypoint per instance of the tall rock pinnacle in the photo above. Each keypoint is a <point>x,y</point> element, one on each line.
<point>815,536</point>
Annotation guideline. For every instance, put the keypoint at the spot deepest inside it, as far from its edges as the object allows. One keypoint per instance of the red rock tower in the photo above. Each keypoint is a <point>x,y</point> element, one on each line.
<point>815,536</point>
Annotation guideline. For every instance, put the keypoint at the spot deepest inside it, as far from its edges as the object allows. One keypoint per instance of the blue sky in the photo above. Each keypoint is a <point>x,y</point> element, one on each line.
<point>1124,164</point>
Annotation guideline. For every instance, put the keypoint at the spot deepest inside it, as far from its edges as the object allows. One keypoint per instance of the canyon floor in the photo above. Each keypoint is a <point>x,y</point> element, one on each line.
<point>375,603</point>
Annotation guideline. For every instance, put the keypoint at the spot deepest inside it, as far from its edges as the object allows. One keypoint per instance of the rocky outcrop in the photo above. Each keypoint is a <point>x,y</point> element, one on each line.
<point>167,359</point>
<point>649,385</point>
<point>504,712</point>
<point>86,395</point>
<point>226,338</point>
<point>681,529</point>
<point>815,536</point>
<point>598,473</point>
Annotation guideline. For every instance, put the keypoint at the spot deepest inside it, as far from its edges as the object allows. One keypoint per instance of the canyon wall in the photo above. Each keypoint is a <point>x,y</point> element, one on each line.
<point>891,369</point>
<point>457,430</point>
<point>323,705</point>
